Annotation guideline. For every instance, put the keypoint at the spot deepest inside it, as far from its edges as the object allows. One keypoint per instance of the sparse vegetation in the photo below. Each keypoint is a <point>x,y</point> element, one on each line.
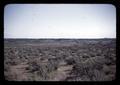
<point>60,60</point>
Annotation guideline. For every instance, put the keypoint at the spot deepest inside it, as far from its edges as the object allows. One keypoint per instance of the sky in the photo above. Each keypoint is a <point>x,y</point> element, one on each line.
<point>59,21</point>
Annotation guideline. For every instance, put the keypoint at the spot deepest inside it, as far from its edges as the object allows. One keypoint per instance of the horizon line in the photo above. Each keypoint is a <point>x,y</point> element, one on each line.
<point>59,38</point>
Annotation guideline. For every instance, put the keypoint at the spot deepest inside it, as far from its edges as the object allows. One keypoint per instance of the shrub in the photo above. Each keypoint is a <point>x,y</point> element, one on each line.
<point>98,76</point>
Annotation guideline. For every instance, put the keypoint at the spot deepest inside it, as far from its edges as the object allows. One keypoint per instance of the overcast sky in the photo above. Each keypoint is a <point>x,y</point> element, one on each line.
<point>59,21</point>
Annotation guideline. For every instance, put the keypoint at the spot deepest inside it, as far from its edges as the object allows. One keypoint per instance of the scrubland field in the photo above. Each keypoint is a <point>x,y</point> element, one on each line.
<point>60,59</point>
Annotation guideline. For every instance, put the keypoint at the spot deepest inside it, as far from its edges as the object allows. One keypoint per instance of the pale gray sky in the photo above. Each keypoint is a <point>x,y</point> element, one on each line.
<point>59,21</point>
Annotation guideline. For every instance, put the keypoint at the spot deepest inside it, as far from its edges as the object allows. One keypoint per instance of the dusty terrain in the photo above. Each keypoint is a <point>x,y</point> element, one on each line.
<point>59,59</point>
